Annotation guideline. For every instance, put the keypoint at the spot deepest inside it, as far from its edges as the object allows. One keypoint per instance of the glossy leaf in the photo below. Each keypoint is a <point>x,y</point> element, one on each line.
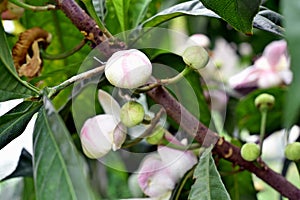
<point>24,167</point>
<point>59,170</point>
<point>263,23</point>
<point>238,14</point>
<point>208,184</point>
<point>11,87</point>
<point>248,116</point>
<point>194,7</point>
<point>13,123</point>
<point>292,25</point>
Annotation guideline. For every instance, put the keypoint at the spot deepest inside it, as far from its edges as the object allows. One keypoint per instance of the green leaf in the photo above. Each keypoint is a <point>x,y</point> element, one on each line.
<point>28,189</point>
<point>249,117</point>
<point>137,12</point>
<point>117,12</point>
<point>11,87</point>
<point>187,8</point>
<point>59,170</point>
<point>291,12</point>
<point>208,184</point>
<point>188,91</point>
<point>262,22</point>
<point>239,14</point>
<point>13,123</point>
<point>24,167</point>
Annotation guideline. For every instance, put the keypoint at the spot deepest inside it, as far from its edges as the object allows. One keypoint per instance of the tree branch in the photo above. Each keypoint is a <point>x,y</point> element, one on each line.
<point>223,149</point>
<point>89,28</point>
<point>175,110</point>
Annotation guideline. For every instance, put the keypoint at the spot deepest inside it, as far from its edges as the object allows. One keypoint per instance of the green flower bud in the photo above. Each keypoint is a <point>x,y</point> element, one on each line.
<point>156,136</point>
<point>195,57</point>
<point>132,113</point>
<point>250,151</point>
<point>264,101</point>
<point>292,151</point>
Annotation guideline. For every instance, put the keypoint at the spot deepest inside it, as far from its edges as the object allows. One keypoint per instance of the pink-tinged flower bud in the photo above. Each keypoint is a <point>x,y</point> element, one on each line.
<point>154,178</point>
<point>199,39</point>
<point>97,135</point>
<point>128,69</point>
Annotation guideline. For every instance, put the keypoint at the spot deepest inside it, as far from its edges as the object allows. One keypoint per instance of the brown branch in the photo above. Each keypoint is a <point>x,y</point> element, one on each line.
<point>223,149</point>
<point>89,28</point>
<point>185,119</point>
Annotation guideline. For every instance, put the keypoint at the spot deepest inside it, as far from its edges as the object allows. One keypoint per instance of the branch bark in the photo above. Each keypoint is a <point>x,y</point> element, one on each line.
<point>175,110</point>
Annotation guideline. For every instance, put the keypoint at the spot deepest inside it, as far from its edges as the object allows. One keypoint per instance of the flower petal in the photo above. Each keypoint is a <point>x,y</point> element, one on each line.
<point>109,104</point>
<point>153,178</point>
<point>274,51</point>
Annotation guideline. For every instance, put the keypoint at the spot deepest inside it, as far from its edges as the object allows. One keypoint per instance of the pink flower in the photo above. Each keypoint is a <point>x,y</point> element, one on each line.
<point>271,69</point>
<point>158,174</point>
<point>104,132</point>
<point>154,178</point>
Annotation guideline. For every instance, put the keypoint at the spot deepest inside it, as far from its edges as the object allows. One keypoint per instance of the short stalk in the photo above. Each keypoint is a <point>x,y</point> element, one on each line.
<point>167,81</point>
<point>85,75</point>
<point>31,7</point>
<point>262,128</point>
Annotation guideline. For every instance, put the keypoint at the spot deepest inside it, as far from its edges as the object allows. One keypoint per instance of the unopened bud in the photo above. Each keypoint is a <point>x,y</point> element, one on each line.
<point>195,57</point>
<point>250,151</point>
<point>292,151</point>
<point>128,69</point>
<point>132,113</point>
<point>156,136</point>
<point>264,101</point>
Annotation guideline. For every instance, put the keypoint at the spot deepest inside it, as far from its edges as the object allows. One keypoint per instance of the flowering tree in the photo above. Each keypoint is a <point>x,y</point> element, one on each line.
<point>129,99</point>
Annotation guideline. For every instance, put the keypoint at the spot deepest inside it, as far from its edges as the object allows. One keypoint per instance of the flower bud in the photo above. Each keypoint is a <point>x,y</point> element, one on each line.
<point>156,136</point>
<point>195,57</point>
<point>128,69</point>
<point>132,113</point>
<point>250,152</point>
<point>292,151</point>
<point>264,101</point>
<point>97,135</point>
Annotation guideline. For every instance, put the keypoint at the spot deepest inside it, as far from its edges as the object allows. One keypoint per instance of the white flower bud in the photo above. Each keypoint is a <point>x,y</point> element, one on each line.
<point>195,57</point>
<point>97,135</point>
<point>128,69</point>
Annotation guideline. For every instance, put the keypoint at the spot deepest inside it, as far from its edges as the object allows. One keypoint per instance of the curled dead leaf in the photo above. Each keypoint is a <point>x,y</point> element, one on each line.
<point>26,52</point>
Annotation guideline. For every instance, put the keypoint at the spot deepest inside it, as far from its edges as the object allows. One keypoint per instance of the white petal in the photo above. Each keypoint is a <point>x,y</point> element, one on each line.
<point>109,104</point>
<point>178,162</point>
